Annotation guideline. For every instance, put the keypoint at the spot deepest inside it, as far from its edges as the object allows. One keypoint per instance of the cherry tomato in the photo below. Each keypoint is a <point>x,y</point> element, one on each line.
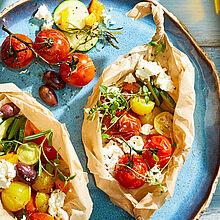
<point>131,87</point>
<point>40,216</point>
<point>60,185</point>
<point>128,125</point>
<point>126,176</point>
<point>159,145</point>
<point>52,45</point>
<point>31,206</point>
<point>50,152</point>
<point>19,56</point>
<point>78,71</point>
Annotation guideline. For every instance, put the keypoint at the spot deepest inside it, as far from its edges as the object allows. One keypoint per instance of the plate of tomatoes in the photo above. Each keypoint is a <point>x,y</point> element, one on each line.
<point>67,100</point>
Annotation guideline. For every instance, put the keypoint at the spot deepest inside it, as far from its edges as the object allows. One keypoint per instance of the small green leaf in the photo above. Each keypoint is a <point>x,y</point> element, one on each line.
<point>57,161</point>
<point>49,168</point>
<point>114,106</point>
<point>114,119</point>
<point>174,145</point>
<point>54,178</point>
<point>71,177</point>
<point>145,89</point>
<point>152,43</point>
<point>103,89</point>
<point>61,177</point>
<point>156,158</point>
<point>146,99</point>
<point>105,135</point>
<point>99,103</point>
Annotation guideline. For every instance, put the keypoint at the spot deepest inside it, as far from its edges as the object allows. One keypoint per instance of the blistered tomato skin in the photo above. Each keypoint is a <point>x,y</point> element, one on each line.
<point>161,146</point>
<point>80,70</point>
<point>126,176</point>
<point>127,126</point>
<point>20,56</point>
<point>56,48</point>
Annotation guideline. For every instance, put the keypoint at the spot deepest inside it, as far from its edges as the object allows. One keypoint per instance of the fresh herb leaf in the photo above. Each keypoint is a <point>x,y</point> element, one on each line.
<point>50,139</point>
<point>34,136</point>
<point>146,99</point>
<point>105,135</point>
<point>156,158</point>
<point>103,89</point>
<point>113,120</point>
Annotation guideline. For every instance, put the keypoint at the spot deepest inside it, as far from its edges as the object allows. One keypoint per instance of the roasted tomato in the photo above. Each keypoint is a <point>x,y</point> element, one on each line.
<point>131,87</point>
<point>160,146</point>
<point>40,216</point>
<point>18,55</point>
<point>128,125</point>
<point>133,176</point>
<point>52,45</point>
<point>49,151</point>
<point>78,70</point>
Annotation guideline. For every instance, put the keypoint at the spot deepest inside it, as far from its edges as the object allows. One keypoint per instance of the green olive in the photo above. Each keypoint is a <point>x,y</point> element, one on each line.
<point>16,196</point>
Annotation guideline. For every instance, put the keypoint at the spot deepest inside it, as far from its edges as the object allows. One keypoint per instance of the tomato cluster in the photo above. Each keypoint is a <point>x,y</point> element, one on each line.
<point>52,47</point>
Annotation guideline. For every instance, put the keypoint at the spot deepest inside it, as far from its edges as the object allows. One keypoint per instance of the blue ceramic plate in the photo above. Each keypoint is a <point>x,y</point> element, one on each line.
<point>195,180</point>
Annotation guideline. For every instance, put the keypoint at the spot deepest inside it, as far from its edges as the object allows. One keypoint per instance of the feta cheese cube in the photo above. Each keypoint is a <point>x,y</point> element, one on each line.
<point>7,173</point>
<point>146,129</point>
<point>130,78</point>
<point>135,142</point>
<point>164,82</point>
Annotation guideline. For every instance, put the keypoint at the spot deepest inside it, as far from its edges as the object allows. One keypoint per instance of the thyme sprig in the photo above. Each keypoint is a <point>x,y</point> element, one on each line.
<point>54,164</point>
<point>161,47</point>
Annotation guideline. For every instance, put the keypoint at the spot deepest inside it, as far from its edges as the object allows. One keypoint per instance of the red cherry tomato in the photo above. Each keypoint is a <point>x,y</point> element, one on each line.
<point>19,56</point>
<point>127,177</point>
<point>131,87</point>
<point>127,126</point>
<point>161,146</point>
<point>52,45</point>
<point>40,216</point>
<point>50,152</point>
<point>78,71</point>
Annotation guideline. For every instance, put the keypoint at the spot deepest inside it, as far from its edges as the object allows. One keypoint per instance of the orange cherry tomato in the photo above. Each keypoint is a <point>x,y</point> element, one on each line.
<point>128,125</point>
<point>18,56</point>
<point>31,206</point>
<point>40,216</point>
<point>78,71</point>
<point>129,177</point>
<point>60,185</point>
<point>159,145</point>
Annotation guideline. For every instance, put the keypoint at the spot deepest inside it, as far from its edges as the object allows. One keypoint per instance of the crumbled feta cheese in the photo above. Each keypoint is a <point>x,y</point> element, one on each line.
<point>135,142</point>
<point>107,19</point>
<point>56,202</point>
<point>130,78</point>
<point>44,13</point>
<point>7,173</point>
<point>145,69</point>
<point>154,174</point>
<point>111,152</point>
<point>164,82</point>
<point>146,129</point>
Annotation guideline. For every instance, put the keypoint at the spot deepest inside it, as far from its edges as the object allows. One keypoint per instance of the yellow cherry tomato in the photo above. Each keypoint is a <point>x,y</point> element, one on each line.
<point>16,196</point>
<point>139,106</point>
<point>28,153</point>
<point>149,118</point>
<point>44,183</point>
<point>41,201</point>
<point>163,124</point>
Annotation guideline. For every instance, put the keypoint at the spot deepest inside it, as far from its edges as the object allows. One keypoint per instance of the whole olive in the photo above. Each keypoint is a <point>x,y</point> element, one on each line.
<point>8,110</point>
<point>54,80</point>
<point>26,172</point>
<point>48,95</point>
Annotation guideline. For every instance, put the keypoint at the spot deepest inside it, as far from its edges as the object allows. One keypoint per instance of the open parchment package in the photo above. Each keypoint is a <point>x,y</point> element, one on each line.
<point>142,202</point>
<point>78,203</point>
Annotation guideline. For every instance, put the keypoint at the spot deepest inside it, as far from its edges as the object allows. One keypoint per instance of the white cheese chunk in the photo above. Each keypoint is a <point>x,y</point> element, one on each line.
<point>130,78</point>
<point>44,13</point>
<point>135,142</point>
<point>56,202</point>
<point>164,82</point>
<point>7,173</point>
<point>145,69</point>
<point>111,152</point>
<point>146,129</point>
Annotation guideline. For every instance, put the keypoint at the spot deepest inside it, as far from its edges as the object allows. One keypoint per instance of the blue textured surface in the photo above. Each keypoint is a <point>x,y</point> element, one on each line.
<point>198,173</point>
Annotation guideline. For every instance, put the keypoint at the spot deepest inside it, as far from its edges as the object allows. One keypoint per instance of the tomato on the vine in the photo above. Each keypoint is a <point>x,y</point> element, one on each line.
<point>160,148</point>
<point>52,45</point>
<point>15,54</point>
<point>131,174</point>
<point>78,70</point>
<point>127,126</point>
